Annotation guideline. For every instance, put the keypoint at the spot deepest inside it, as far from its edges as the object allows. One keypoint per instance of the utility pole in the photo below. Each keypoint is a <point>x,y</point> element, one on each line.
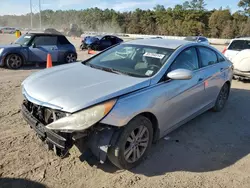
<point>35,13</point>
<point>31,19</point>
<point>40,16</point>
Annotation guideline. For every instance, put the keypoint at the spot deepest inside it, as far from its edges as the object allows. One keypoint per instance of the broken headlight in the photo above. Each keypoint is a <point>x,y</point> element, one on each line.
<point>83,119</point>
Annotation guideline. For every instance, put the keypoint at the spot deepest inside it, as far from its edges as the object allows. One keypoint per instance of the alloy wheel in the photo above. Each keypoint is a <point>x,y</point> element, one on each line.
<point>15,61</point>
<point>70,58</point>
<point>136,144</point>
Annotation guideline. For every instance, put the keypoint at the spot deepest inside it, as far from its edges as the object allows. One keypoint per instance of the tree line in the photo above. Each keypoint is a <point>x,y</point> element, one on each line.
<point>189,18</point>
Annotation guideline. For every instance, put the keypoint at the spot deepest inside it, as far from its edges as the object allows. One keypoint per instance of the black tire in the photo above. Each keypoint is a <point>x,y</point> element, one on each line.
<point>14,61</point>
<point>222,98</point>
<point>70,57</point>
<point>116,152</point>
<point>82,47</point>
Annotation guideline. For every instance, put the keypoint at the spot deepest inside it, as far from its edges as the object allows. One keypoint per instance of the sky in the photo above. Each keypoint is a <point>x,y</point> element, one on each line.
<point>19,7</point>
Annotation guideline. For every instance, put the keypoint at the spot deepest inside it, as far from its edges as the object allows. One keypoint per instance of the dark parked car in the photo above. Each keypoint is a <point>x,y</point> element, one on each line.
<point>99,42</point>
<point>199,39</point>
<point>34,47</point>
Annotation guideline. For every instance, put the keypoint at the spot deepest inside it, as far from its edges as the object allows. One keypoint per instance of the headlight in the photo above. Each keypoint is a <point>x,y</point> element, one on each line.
<point>1,50</point>
<point>83,119</point>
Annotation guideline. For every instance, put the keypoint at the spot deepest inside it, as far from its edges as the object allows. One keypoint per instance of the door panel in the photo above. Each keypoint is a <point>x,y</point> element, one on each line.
<point>105,42</point>
<point>184,97</point>
<point>213,70</point>
<point>43,46</point>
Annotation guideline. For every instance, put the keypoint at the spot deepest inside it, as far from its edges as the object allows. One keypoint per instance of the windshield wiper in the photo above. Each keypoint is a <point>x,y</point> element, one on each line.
<point>108,69</point>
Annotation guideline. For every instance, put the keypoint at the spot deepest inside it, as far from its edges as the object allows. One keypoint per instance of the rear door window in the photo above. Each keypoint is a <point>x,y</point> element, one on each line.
<point>239,45</point>
<point>207,57</point>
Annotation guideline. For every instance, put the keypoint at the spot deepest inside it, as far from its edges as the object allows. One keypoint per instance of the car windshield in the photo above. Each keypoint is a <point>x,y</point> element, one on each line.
<point>23,40</point>
<point>190,38</point>
<point>132,60</point>
<point>239,45</point>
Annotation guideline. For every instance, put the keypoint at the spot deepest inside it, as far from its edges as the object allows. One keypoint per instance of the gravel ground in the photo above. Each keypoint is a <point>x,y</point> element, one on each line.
<point>210,151</point>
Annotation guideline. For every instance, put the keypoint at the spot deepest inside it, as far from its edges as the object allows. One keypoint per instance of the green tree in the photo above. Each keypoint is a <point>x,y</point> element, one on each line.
<point>245,4</point>
<point>217,22</point>
<point>197,4</point>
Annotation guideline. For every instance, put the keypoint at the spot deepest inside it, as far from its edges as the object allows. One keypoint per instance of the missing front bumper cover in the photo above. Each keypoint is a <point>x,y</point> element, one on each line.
<point>62,142</point>
<point>98,141</point>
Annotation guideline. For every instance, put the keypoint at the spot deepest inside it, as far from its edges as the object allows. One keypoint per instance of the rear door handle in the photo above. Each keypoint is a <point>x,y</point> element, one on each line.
<point>200,79</point>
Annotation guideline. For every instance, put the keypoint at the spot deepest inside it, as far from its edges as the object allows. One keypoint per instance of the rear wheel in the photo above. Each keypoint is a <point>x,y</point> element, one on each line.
<point>95,47</point>
<point>222,98</point>
<point>14,61</point>
<point>133,144</point>
<point>70,57</point>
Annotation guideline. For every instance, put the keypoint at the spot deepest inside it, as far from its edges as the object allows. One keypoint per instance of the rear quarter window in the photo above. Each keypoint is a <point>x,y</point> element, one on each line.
<point>239,45</point>
<point>63,40</point>
<point>220,58</point>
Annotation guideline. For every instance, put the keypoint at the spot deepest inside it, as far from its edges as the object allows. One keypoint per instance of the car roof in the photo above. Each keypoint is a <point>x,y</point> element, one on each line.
<point>164,43</point>
<point>101,36</point>
<point>45,34</point>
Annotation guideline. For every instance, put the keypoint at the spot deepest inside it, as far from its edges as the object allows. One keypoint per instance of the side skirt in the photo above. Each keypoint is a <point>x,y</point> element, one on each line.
<point>206,108</point>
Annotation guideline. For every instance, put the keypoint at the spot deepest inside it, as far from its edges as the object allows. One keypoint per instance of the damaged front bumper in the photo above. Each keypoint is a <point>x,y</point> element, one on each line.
<point>61,143</point>
<point>241,74</point>
<point>97,140</point>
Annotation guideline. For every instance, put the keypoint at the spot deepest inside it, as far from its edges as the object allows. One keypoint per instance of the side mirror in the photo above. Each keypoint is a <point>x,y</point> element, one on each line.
<point>180,74</point>
<point>33,45</point>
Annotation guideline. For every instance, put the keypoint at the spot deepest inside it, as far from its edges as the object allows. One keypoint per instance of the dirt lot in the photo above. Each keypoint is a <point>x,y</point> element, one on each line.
<point>210,151</point>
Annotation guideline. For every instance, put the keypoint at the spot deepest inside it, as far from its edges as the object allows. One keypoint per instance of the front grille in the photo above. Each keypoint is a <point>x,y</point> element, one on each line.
<point>43,114</point>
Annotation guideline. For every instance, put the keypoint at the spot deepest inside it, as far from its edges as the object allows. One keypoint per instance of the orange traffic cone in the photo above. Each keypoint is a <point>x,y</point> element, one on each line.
<point>91,51</point>
<point>49,61</point>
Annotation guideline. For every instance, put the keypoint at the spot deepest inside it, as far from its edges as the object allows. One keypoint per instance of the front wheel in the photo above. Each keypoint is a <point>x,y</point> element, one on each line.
<point>133,144</point>
<point>70,57</point>
<point>222,98</point>
<point>14,61</point>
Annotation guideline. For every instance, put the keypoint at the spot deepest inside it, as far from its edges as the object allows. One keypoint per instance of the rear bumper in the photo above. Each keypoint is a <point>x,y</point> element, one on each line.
<point>242,74</point>
<point>62,142</point>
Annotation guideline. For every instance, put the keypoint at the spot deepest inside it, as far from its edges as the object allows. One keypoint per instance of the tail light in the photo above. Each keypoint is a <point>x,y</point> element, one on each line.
<point>224,51</point>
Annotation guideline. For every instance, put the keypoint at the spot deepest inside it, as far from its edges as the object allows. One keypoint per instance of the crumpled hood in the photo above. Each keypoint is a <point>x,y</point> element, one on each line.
<point>76,86</point>
<point>241,61</point>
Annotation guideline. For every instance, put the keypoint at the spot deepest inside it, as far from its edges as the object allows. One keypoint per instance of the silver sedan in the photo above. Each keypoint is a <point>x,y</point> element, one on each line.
<point>123,99</point>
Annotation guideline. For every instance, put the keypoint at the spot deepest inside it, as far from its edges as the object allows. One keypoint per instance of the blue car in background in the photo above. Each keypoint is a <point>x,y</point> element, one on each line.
<point>34,47</point>
<point>99,42</point>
